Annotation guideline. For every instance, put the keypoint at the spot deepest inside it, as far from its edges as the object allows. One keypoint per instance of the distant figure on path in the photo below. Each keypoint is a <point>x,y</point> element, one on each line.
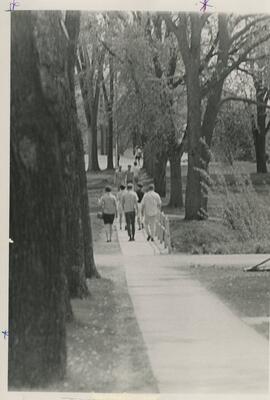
<point>119,177</point>
<point>129,175</point>
<point>138,155</point>
<point>136,171</point>
<point>130,207</point>
<point>120,194</point>
<point>140,194</point>
<point>151,204</point>
<point>109,210</point>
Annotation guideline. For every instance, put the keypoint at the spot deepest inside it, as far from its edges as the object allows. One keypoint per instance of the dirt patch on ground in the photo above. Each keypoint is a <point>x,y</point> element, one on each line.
<point>247,294</point>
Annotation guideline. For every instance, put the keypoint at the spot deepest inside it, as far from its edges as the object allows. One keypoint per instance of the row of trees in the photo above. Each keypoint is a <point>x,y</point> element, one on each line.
<point>173,74</point>
<point>52,253</point>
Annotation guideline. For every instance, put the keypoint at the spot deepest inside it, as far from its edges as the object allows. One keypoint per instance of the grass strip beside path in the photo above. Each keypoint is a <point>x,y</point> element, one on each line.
<point>247,294</point>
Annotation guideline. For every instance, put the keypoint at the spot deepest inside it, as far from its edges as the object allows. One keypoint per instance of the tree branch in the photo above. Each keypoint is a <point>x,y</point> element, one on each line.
<point>180,32</point>
<point>243,99</point>
<point>247,27</point>
<point>210,84</point>
<point>245,71</point>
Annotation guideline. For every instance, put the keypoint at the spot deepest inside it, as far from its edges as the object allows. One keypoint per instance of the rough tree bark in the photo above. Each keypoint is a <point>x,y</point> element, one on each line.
<point>82,261</point>
<point>37,310</point>
<point>176,196</point>
<point>175,153</point>
<point>160,165</point>
<point>71,155</point>
<point>259,130</point>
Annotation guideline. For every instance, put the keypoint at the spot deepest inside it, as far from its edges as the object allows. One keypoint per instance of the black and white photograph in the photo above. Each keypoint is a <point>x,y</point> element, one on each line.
<point>139,201</point>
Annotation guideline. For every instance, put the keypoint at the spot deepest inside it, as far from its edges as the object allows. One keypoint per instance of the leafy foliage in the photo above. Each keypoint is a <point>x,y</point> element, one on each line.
<point>232,138</point>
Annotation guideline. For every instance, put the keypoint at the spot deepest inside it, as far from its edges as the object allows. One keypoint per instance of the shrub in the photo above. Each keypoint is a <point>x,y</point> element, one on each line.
<point>242,209</point>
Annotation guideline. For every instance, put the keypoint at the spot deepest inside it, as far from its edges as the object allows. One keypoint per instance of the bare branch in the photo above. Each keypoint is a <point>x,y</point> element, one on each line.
<point>247,27</point>
<point>211,53</point>
<point>210,84</point>
<point>243,99</point>
<point>244,70</point>
<point>110,51</point>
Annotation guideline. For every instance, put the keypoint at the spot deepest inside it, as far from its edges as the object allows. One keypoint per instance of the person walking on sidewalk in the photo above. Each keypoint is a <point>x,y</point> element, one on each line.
<point>119,177</point>
<point>140,194</point>
<point>151,204</point>
<point>138,155</point>
<point>109,211</point>
<point>136,172</point>
<point>129,175</point>
<point>119,197</point>
<point>130,207</point>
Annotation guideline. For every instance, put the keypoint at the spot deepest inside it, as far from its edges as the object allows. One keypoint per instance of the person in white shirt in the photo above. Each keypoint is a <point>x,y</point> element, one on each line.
<point>108,206</point>
<point>119,177</point>
<point>151,204</point>
<point>119,197</point>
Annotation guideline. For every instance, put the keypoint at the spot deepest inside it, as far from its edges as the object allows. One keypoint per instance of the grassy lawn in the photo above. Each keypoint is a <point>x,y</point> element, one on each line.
<point>211,237</point>
<point>247,294</point>
<point>215,237</point>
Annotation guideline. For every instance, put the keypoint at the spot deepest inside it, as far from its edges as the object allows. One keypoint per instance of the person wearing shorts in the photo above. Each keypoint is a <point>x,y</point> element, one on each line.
<point>109,211</point>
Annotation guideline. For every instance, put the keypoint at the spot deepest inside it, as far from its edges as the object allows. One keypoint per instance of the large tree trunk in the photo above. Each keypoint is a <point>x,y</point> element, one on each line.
<point>83,264</point>
<point>85,95</point>
<point>73,157</point>
<point>259,141</point>
<point>193,201</point>
<point>176,196</point>
<point>84,221</point>
<point>37,282</point>
<point>110,115</point>
<point>259,131</point>
<point>102,140</point>
<point>93,151</point>
<point>160,173</point>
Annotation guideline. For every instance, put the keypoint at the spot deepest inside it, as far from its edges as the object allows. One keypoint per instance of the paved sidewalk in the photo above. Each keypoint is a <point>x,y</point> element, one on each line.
<point>194,342</point>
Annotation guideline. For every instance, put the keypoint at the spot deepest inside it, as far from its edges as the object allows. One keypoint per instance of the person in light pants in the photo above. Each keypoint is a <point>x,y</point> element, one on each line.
<point>151,204</point>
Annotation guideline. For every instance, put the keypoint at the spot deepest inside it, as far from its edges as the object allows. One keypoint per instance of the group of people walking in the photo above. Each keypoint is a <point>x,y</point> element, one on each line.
<point>123,178</point>
<point>127,204</point>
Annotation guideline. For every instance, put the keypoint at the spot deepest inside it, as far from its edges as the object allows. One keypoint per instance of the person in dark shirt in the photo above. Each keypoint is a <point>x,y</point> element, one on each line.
<point>129,176</point>
<point>140,194</point>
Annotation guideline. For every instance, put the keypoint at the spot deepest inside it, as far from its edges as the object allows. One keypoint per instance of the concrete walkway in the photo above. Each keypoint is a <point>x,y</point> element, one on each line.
<point>195,343</point>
